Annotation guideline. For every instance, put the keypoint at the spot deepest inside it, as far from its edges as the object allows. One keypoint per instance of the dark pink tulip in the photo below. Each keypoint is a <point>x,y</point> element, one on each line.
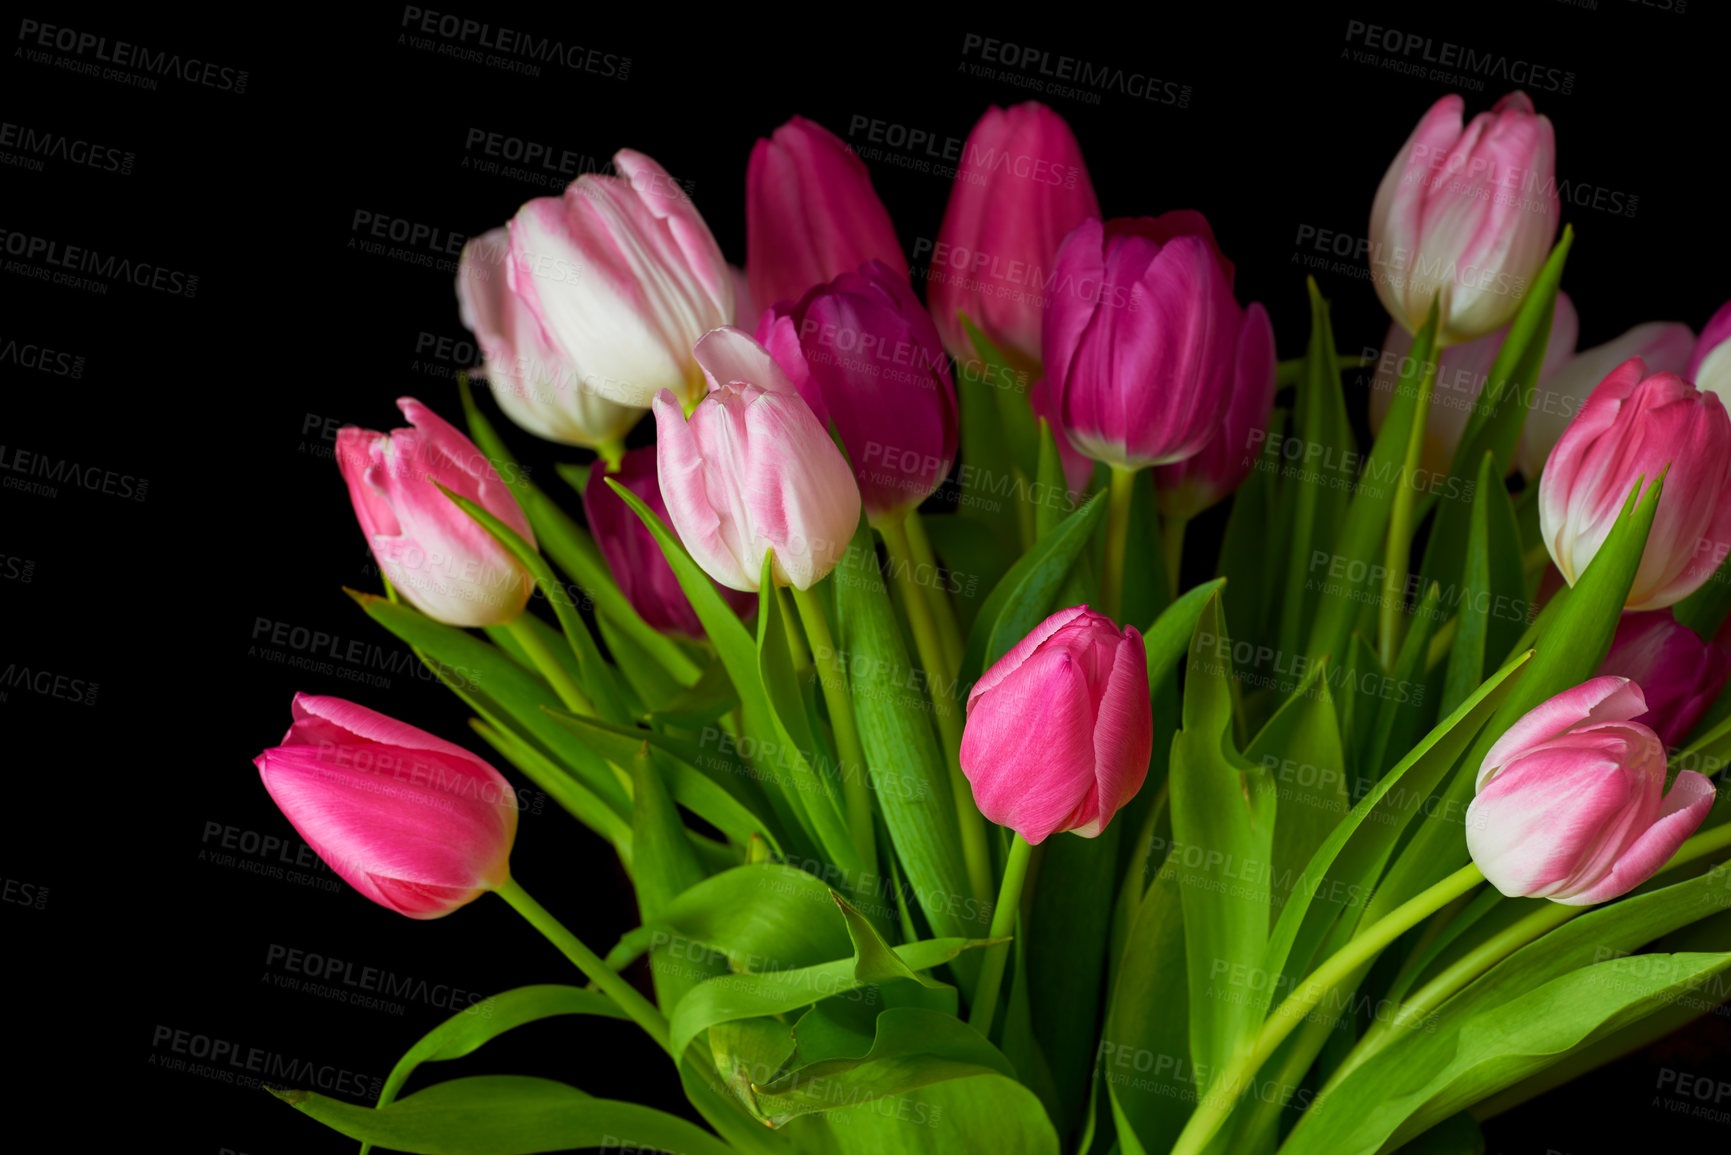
<point>1679,673</point>
<point>437,556</point>
<point>864,354</point>
<point>1710,361</point>
<point>637,563</point>
<point>1020,189</point>
<point>1186,488</point>
<point>1633,426</point>
<point>415,823</point>
<point>1060,730</point>
<point>1141,338</point>
<point>810,214</point>
<point>1571,802</point>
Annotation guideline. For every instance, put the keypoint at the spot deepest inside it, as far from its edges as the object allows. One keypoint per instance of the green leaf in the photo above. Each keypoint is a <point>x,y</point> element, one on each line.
<point>973,552</point>
<point>1223,810</point>
<point>653,686</point>
<point>986,1113</point>
<point>988,463</point>
<point>1491,604</point>
<point>701,704</point>
<point>1145,1047</point>
<point>1015,416</point>
<point>1401,697</point>
<point>909,775</point>
<point>1252,538</point>
<point>1705,610</point>
<point>1168,638</point>
<point>665,866</point>
<point>565,788</point>
<point>1049,475</point>
<point>1023,598</point>
<point>505,1115</point>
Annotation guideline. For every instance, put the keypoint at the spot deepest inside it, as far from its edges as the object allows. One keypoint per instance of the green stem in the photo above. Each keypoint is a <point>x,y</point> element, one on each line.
<point>985,1005</point>
<point>795,643</point>
<point>949,630</point>
<point>1222,1095</point>
<point>1123,489</point>
<point>569,693</point>
<point>1172,547</point>
<point>941,681</point>
<point>623,994</point>
<point>832,675</point>
<point>1398,556</point>
<point>612,454</point>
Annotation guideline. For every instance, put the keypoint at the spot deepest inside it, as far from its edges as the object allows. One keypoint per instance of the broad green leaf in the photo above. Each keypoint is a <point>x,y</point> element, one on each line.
<point>1223,815</point>
<point>1023,598</point>
<point>703,703</point>
<point>1144,1052</point>
<point>1252,537</point>
<point>750,1051</point>
<point>974,555</point>
<point>1054,501</point>
<point>1401,698</point>
<point>664,866</point>
<point>653,687</point>
<point>986,1113</point>
<point>761,917</point>
<point>988,473</point>
<point>1016,420</point>
<point>520,694</point>
<point>505,1115</point>
<point>1490,607</point>
<point>1147,586</point>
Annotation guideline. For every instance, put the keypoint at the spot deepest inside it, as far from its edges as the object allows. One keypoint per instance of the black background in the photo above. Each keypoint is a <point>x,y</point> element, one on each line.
<point>222,403</point>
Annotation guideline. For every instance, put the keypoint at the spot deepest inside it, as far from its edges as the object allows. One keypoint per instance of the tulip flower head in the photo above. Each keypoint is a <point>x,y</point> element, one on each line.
<point>752,470</point>
<point>439,558</point>
<point>1636,426</point>
<point>624,277</point>
<point>1466,215</point>
<point>1571,803</point>
<point>1709,366</point>
<point>415,823</point>
<point>1021,188</point>
<point>1679,673</point>
<point>1060,729</point>
<point>811,214</point>
<point>864,354</point>
<point>633,557</point>
<point>1186,488</point>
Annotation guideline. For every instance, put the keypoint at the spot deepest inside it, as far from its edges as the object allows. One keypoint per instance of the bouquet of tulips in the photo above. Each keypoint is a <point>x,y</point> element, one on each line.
<point>957,820</point>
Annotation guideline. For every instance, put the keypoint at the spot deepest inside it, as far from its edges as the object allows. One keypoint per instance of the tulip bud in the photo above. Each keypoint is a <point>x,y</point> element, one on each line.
<point>1186,488</point>
<point>1469,215</point>
<point>810,214</point>
<point>753,470</point>
<point>1634,426</point>
<point>1020,189</point>
<point>535,384</point>
<point>1060,729</point>
<point>1709,364</point>
<point>625,277</point>
<point>1679,674</point>
<point>1571,802</point>
<point>864,354</point>
<point>632,554</point>
<point>1141,338</point>
<point>1661,345</point>
<point>415,823</point>
<point>1462,372</point>
<point>438,557</point>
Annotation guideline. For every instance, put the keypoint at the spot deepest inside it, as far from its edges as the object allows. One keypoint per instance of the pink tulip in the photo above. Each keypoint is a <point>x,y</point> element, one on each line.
<point>1571,803</point>
<point>634,558</point>
<point>1679,673</point>
<point>752,471</point>
<point>438,557</point>
<point>1186,488</point>
<point>1020,189</point>
<point>624,277</point>
<point>1633,426</point>
<point>1662,345</point>
<point>1060,730</point>
<point>415,823</point>
<point>864,354</point>
<point>1469,214</point>
<point>1461,374</point>
<point>810,214</point>
<point>1141,338</point>
<point>1709,364</point>
<point>534,382</point>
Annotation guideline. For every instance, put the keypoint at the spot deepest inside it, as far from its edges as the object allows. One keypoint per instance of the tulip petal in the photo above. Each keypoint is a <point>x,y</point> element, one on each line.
<point>1683,811</point>
<point>1023,650</point>
<point>1123,738</point>
<point>1601,699</point>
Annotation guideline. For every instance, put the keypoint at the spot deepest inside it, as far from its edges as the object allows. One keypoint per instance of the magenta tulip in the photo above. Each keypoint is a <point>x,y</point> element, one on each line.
<point>1020,189</point>
<point>636,561</point>
<point>810,214</point>
<point>1059,730</point>
<point>752,470</point>
<point>415,823</point>
<point>1461,374</point>
<point>864,354</point>
<point>1663,346</point>
<point>1571,802</point>
<point>1186,488</point>
<point>1679,673</point>
<point>438,557</point>
<point>1634,426</point>
<point>534,382</point>
<point>1141,338</point>
<point>1709,364</point>
<point>1468,214</point>
<point>624,277</point>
